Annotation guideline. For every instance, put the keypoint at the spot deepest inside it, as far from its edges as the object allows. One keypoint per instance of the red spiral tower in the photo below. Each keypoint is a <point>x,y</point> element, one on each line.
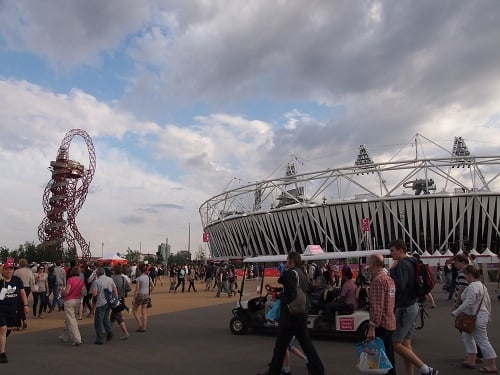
<point>64,196</point>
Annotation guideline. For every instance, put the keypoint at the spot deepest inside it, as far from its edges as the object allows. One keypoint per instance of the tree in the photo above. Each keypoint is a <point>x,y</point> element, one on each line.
<point>51,253</point>
<point>200,254</point>
<point>150,259</point>
<point>4,254</point>
<point>176,259</point>
<point>133,256</point>
<point>31,253</point>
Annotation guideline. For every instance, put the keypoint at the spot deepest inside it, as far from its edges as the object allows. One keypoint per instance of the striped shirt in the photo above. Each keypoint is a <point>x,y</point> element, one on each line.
<point>460,283</point>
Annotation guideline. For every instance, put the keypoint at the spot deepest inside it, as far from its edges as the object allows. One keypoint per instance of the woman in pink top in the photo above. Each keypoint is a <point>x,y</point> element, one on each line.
<point>72,295</point>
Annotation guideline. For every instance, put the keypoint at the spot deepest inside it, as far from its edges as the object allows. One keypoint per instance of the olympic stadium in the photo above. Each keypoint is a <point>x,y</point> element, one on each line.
<point>447,201</point>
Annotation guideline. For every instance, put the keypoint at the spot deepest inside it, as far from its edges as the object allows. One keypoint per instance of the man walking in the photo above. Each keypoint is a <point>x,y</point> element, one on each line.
<point>223,279</point>
<point>291,325</point>
<point>11,292</point>
<point>28,279</point>
<point>60,274</point>
<point>382,300</point>
<point>403,274</point>
<point>102,323</point>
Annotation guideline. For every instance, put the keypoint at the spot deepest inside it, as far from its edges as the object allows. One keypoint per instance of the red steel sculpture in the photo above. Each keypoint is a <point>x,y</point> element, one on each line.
<point>64,196</point>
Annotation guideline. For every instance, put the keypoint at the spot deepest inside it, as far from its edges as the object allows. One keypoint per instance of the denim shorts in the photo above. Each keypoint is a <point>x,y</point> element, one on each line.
<point>405,323</point>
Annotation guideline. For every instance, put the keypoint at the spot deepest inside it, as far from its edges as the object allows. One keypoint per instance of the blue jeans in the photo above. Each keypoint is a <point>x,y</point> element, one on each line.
<point>101,323</point>
<point>56,299</point>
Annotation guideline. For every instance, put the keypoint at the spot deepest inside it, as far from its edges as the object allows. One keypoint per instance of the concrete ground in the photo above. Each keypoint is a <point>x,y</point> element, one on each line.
<point>189,334</point>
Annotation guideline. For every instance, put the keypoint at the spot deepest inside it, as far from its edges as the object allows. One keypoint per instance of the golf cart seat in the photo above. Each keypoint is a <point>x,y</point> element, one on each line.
<point>346,311</point>
<point>256,304</point>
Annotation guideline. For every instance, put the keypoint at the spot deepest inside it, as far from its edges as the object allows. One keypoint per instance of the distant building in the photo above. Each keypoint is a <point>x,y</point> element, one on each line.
<point>164,251</point>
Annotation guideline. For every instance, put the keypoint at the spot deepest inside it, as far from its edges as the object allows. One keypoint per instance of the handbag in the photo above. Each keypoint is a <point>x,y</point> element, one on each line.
<point>33,284</point>
<point>467,323</point>
<point>298,305</point>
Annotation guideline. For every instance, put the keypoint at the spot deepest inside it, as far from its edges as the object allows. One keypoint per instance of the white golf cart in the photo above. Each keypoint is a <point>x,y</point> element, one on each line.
<point>250,312</point>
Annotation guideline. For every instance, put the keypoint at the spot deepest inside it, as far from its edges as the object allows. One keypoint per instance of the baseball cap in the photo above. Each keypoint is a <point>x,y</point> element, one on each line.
<point>9,263</point>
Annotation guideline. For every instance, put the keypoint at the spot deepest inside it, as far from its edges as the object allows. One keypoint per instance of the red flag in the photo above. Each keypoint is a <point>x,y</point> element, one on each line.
<point>206,237</point>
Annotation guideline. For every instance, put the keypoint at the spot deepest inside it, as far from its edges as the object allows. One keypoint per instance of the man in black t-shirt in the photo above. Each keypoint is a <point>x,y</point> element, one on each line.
<point>11,290</point>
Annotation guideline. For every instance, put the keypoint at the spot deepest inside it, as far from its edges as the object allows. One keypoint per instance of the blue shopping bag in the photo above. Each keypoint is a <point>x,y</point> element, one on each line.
<point>372,357</point>
<point>274,313</point>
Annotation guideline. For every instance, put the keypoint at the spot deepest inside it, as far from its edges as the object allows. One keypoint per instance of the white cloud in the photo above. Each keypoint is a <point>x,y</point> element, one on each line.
<point>220,144</point>
<point>125,190</point>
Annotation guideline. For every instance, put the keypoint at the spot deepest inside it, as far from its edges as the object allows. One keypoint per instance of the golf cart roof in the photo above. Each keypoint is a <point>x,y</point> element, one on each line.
<point>222,259</point>
<point>324,256</point>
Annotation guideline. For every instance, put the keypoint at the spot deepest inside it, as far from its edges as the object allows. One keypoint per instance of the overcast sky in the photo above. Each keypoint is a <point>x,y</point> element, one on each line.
<point>182,96</point>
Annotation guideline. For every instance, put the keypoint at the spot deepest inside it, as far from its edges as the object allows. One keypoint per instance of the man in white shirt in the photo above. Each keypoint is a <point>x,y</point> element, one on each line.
<point>28,279</point>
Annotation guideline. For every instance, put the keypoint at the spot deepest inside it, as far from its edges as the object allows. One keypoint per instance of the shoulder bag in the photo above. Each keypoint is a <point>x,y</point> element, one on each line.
<point>467,323</point>
<point>298,305</point>
<point>34,288</point>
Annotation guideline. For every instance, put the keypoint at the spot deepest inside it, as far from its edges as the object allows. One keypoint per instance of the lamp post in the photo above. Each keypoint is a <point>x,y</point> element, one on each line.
<point>102,250</point>
<point>325,225</point>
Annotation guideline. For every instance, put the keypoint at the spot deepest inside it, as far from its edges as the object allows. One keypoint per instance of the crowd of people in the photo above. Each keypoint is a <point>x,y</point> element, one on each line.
<point>388,295</point>
<point>76,290</point>
<point>393,303</point>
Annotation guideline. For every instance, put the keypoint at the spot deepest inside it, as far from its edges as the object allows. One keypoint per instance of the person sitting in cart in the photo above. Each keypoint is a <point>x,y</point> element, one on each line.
<point>317,295</point>
<point>346,302</point>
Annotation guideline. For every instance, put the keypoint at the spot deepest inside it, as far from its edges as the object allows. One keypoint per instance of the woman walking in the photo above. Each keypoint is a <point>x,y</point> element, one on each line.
<point>192,279</point>
<point>475,299</point>
<point>72,294</point>
<point>41,279</point>
<point>143,289</point>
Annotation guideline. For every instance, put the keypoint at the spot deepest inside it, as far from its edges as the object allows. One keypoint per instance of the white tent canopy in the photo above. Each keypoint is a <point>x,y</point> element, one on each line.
<point>487,256</point>
<point>488,253</point>
<point>111,258</point>
<point>448,253</point>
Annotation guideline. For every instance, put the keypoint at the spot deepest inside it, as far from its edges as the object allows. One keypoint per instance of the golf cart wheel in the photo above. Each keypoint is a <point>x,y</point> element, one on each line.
<point>362,331</point>
<point>238,326</point>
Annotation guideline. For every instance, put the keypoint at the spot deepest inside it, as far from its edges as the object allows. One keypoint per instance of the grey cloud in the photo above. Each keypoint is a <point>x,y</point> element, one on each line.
<point>132,220</point>
<point>89,27</point>
<point>332,47</point>
<point>156,208</point>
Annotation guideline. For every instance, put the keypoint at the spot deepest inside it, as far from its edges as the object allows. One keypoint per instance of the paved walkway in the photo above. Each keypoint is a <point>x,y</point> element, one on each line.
<point>198,341</point>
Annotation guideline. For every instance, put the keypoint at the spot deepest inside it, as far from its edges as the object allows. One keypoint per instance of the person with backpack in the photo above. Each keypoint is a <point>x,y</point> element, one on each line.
<point>102,323</point>
<point>405,272</point>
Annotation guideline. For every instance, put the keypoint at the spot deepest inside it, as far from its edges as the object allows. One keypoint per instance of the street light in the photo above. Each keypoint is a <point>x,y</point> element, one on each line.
<point>102,250</point>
